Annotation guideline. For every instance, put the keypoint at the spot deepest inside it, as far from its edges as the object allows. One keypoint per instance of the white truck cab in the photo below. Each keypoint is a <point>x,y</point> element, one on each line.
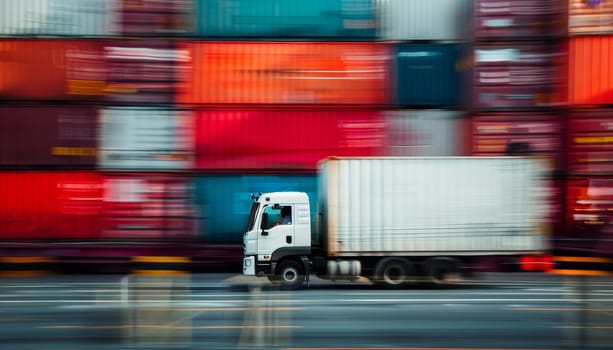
<point>279,226</point>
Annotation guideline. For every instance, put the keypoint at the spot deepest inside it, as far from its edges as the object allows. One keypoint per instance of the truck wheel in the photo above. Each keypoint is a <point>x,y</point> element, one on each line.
<point>289,275</point>
<point>394,273</point>
<point>442,271</point>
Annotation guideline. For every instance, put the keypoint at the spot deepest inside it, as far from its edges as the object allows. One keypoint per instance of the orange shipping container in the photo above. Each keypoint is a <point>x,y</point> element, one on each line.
<point>590,73</point>
<point>285,73</point>
<point>51,69</point>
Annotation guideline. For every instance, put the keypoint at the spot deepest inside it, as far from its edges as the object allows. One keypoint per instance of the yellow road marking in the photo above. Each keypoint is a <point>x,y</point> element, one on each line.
<point>161,259</point>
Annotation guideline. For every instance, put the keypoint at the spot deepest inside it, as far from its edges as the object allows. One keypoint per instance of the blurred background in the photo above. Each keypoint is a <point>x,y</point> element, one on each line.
<point>140,127</point>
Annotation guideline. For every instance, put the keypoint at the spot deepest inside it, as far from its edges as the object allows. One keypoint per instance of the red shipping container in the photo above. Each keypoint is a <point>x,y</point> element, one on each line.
<point>154,17</point>
<point>285,73</point>
<point>517,75</point>
<point>539,134</point>
<point>589,214</point>
<point>590,17</point>
<point>48,136</point>
<point>50,206</point>
<point>518,18</point>
<point>590,137</point>
<point>51,69</point>
<point>150,207</point>
<point>90,206</point>
<point>285,139</point>
<point>142,71</point>
<point>590,77</point>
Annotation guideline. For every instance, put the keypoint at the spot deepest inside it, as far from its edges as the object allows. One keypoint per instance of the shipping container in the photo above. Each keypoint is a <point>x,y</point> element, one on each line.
<point>588,213</point>
<point>153,17</point>
<point>51,69</point>
<point>427,74</point>
<point>285,73</point>
<point>341,19</point>
<point>590,137</point>
<point>590,80</point>
<point>222,202</point>
<point>284,139</point>
<point>50,206</point>
<point>143,138</point>
<point>517,75</point>
<point>48,136</point>
<point>423,133</point>
<point>519,133</point>
<point>90,206</point>
<point>495,19</point>
<point>148,207</point>
<point>587,17</point>
<point>142,71</point>
<point>434,20</point>
<point>57,17</point>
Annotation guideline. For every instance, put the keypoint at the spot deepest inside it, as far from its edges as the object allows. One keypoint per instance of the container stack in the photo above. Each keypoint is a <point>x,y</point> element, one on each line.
<point>51,77</point>
<point>151,121</point>
<point>91,139</point>
<point>276,86</point>
<point>516,80</point>
<point>427,40</point>
<point>590,126</point>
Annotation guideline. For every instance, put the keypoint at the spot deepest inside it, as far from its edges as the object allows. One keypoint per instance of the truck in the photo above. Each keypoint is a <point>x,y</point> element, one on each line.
<point>398,221</point>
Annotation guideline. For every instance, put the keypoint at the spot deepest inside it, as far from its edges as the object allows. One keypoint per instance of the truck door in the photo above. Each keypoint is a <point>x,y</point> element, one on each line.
<point>276,230</point>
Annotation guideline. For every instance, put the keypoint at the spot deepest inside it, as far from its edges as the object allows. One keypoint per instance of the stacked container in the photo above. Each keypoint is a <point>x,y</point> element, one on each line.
<point>276,86</point>
<point>590,126</point>
<point>517,86</point>
<point>146,147</point>
<point>428,41</point>
<point>93,147</point>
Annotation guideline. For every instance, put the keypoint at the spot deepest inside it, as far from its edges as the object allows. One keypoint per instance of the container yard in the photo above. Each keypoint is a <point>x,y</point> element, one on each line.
<point>122,122</point>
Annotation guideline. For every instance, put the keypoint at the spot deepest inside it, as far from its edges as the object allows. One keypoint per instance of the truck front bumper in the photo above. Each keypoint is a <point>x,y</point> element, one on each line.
<point>249,266</point>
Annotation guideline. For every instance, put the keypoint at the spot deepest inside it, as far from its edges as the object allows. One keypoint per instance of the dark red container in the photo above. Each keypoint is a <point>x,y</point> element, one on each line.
<point>50,206</point>
<point>63,136</point>
<point>589,215</point>
<point>154,17</point>
<point>517,75</point>
<point>51,69</point>
<point>590,137</point>
<point>525,133</point>
<point>285,139</point>
<point>149,207</point>
<point>517,18</point>
<point>142,71</point>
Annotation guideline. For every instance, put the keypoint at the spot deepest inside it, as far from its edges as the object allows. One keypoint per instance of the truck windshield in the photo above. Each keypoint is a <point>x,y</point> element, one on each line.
<point>254,210</point>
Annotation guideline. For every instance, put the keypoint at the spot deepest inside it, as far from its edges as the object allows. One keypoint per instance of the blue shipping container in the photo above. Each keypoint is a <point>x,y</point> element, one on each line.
<point>427,75</point>
<point>222,202</point>
<point>286,18</point>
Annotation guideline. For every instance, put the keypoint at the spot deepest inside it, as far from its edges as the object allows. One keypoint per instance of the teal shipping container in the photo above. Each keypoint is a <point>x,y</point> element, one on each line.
<point>427,75</point>
<point>343,19</point>
<point>222,201</point>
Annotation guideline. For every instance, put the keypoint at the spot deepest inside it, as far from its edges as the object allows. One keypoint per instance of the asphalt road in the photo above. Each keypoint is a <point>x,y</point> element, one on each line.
<point>215,311</point>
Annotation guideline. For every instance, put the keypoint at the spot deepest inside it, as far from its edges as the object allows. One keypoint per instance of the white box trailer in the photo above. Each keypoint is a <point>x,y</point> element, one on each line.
<point>399,219</point>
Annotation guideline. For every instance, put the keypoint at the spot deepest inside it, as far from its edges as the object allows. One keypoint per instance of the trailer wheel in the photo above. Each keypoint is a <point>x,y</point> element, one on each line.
<point>290,275</point>
<point>442,271</point>
<point>394,273</point>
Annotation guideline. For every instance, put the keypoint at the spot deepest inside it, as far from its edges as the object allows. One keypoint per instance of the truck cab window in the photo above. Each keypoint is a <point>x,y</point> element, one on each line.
<point>276,216</point>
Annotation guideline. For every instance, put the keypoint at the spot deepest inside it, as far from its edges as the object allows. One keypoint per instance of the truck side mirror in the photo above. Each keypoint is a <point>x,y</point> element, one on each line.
<point>264,224</point>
